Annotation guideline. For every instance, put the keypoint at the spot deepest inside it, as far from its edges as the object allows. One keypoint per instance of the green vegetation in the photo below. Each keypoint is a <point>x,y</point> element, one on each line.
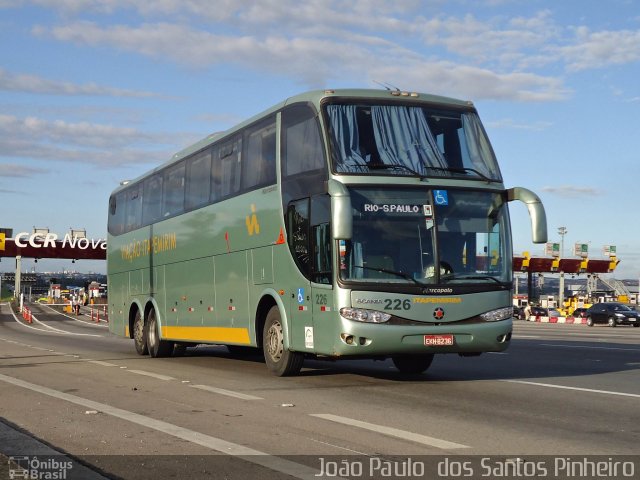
<point>5,294</point>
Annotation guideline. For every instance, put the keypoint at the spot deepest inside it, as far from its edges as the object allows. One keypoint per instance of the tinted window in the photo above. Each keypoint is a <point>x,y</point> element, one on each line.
<point>133,207</point>
<point>226,170</point>
<point>302,149</point>
<point>152,199</point>
<point>173,192</point>
<point>259,161</point>
<point>117,213</point>
<point>198,180</point>
<point>298,233</point>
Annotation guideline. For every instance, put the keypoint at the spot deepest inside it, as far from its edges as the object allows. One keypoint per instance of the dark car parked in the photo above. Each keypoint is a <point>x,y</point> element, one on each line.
<point>539,311</point>
<point>613,314</point>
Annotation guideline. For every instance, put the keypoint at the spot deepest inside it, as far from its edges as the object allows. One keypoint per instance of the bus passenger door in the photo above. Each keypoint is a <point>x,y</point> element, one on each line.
<point>309,238</point>
<point>298,238</point>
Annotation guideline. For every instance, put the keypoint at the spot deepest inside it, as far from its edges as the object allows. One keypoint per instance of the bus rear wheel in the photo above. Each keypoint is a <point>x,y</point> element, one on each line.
<point>139,337</point>
<point>412,364</point>
<point>157,347</point>
<point>280,361</point>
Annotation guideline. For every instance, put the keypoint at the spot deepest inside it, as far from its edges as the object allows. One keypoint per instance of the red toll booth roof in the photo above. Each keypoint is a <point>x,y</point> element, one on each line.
<point>598,266</point>
<point>570,265</point>
<point>517,264</point>
<point>540,264</point>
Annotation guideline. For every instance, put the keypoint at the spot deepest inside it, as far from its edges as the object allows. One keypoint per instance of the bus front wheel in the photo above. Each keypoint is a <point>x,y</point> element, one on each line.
<point>139,337</point>
<point>280,361</point>
<point>157,347</point>
<point>412,364</point>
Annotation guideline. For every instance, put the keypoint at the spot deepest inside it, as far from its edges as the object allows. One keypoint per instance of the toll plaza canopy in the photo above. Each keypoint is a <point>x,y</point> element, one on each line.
<point>565,265</point>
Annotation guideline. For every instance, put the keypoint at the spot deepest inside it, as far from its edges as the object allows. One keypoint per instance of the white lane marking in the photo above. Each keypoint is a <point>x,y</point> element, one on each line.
<point>24,325</point>
<point>228,393</point>
<point>54,330</point>
<point>339,447</point>
<point>76,319</point>
<point>151,374</point>
<point>393,432</point>
<point>516,336</point>
<point>57,330</point>
<point>579,389</point>
<point>104,364</point>
<point>498,353</point>
<point>606,335</point>
<point>590,347</point>
<point>257,457</point>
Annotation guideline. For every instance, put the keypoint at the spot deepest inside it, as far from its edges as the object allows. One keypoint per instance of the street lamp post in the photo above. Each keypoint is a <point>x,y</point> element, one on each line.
<point>562,231</point>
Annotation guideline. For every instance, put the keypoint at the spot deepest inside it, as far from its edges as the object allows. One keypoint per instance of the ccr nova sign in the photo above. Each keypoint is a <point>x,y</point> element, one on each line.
<point>50,240</point>
<point>48,245</point>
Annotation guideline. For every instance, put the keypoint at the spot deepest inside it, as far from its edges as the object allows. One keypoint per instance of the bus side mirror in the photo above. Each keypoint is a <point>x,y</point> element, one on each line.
<point>341,216</point>
<point>536,211</point>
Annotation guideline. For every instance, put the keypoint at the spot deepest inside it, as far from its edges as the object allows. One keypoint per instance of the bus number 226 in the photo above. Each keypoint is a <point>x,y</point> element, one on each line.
<point>397,304</point>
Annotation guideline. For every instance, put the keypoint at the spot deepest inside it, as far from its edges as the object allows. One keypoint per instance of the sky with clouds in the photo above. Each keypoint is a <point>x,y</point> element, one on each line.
<point>96,91</point>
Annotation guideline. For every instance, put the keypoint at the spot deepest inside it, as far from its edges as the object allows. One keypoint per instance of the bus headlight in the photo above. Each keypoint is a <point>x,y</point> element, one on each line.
<point>496,315</point>
<point>363,315</point>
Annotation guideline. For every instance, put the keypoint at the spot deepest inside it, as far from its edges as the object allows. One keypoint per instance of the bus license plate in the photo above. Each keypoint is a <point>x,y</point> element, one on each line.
<point>438,340</point>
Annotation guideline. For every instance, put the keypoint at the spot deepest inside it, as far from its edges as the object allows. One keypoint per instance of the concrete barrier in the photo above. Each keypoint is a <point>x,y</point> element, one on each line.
<point>569,320</point>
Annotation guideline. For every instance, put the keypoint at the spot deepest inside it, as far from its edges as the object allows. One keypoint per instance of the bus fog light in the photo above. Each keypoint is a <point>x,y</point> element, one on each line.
<point>497,315</point>
<point>347,338</point>
<point>364,315</point>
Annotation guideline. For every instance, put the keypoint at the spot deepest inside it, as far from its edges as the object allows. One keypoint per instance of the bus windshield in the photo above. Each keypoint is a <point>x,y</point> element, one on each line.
<point>419,236</point>
<point>409,140</point>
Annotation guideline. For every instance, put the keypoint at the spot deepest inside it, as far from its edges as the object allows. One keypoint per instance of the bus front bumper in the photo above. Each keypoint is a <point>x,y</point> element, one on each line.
<point>370,340</point>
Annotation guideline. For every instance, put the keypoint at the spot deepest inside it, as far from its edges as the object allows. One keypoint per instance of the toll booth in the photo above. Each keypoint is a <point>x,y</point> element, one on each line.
<point>55,291</point>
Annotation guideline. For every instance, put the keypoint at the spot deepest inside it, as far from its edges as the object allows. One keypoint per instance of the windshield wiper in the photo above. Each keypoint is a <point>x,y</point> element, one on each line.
<point>463,170</point>
<point>392,272</point>
<point>384,166</point>
<point>474,277</point>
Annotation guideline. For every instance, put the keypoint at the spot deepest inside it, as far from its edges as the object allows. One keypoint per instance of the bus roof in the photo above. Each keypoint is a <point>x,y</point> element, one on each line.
<point>314,97</point>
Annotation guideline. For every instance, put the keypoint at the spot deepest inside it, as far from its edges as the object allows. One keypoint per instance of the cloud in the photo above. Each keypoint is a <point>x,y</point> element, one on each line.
<point>601,49</point>
<point>325,41</point>
<point>315,61</point>
<point>572,191</point>
<point>35,84</point>
<point>14,170</point>
<point>100,145</point>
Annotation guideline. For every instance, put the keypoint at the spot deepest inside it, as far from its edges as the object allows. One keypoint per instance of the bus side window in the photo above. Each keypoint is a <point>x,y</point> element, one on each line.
<point>152,200</point>
<point>321,238</point>
<point>259,160</point>
<point>173,193</point>
<point>301,140</point>
<point>116,214</point>
<point>134,208</point>
<point>198,184</point>
<point>298,233</point>
<point>225,172</point>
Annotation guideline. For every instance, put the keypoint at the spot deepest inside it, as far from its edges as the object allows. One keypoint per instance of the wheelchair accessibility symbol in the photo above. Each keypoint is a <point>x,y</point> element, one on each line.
<point>440,197</point>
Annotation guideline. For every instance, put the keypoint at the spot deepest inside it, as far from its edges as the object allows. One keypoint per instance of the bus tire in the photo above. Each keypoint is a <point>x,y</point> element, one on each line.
<point>280,361</point>
<point>157,347</point>
<point>412,364</point>
<point>139,336</point>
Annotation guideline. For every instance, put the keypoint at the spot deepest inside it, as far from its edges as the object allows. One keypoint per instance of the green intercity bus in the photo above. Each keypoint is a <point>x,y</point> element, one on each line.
<point>337,224</point>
